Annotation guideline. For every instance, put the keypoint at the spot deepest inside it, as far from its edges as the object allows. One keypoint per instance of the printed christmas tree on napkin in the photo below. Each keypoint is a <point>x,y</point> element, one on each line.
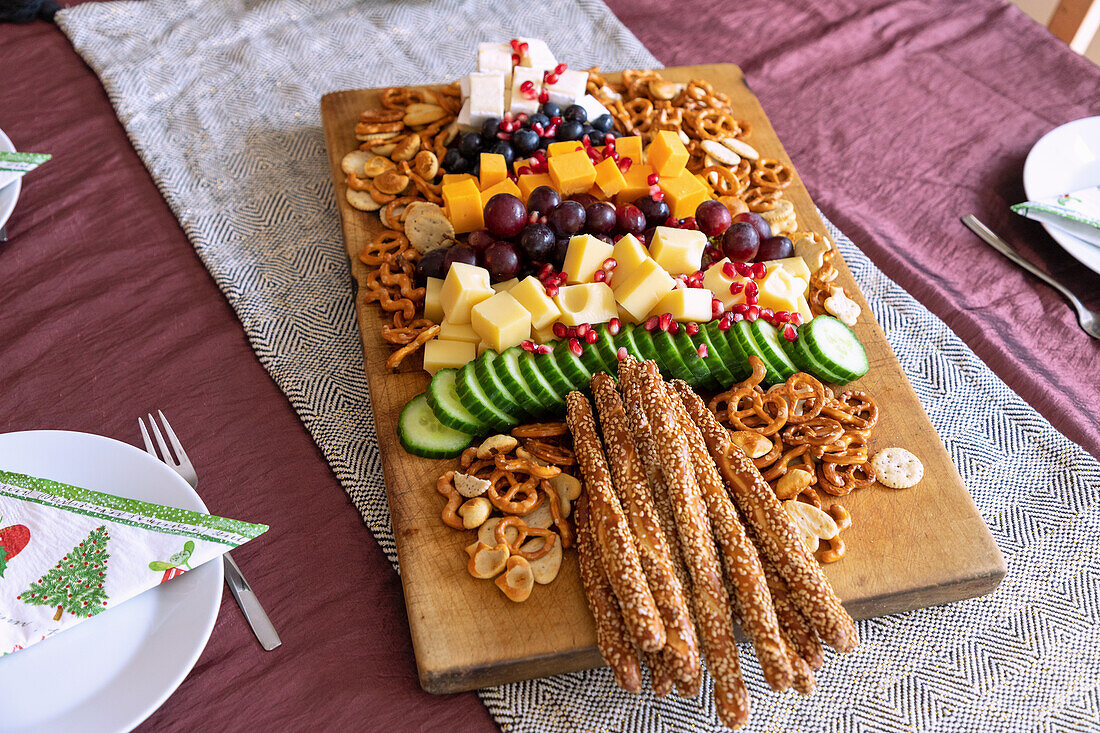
<point>68,554</point>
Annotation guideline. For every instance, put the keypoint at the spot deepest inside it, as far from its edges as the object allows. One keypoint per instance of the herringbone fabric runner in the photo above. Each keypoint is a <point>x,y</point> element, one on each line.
<point>221,101</point>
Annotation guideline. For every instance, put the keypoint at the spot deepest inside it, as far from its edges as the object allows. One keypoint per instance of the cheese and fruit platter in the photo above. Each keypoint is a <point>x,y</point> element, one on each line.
<point>632,407</point>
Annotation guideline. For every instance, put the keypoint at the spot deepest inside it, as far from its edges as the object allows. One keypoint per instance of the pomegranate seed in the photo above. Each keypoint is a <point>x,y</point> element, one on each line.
<point>527,86</point>
<point>654,190</point>
<point>783,317</point>
<point>513,178</point>
<point>797,319</point>
<point>546,270</point>
<point>504,135</point>
<point>523,47</point>
<point>672,221</point>
<point>542,219</point>
<point>575,347</point>
<point>614,326</point>
<point>529,93</point>
<point>728,270</point>
<point>740,308</point>
<point>551,131</point>
<point>538,129</point>
<point>609,264</point>
<point>551,79</point>
<point>621,354</point>
<point>551,291</point>
<point>544,97</point>
<point>691,328</point>
<point>610,142</point>
<point>725,321</point>
<point>523,171</point>
<point>559,330</point>
<point>751,300</point>
<point>560,69</point>
<point>521,117</point>
<point>563,278</point>
<point>717,307</point>
<point>689,223</point>
<point>652,323</point>
<point>736,288</point>
<point>545,349</point>
<point>624,164</point>
<point>516,58</point>
<point>751,289</point>
<point>743,269</point>
<point>752,313</point>
<point>592,337</point>
<point>583,329</point>
<point>665,321</point>
<point>653,179</point>
<point>702,351</point>
<point>790,332</point>
<point>599,276</point>
<point>767,313</point>
<point>540,154</point>
<point>508,117</point>
<point>586,141</point>
<point>556,120</point>
<point>527,345</point>
<point>737,317</point>
<point>759,270</point>
<point>674,327</point>
<point>515,44</point>
<point>659,196</point>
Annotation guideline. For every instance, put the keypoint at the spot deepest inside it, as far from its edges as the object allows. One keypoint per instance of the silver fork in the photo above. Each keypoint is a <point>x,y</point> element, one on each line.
<point>242,592</point>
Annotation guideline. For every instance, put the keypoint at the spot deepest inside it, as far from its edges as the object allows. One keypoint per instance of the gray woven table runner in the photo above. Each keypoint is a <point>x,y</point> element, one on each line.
<point>221,101</point>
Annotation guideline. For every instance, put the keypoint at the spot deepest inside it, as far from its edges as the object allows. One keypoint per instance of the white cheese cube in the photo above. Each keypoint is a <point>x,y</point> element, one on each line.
<point>496,57</point>
<point>486,97</point>
<point>538,54</point>
<point>519,102</point>
<point>463,120</point>
<point>464,87</point>
<point>592,106</point>
<point>569,88</point>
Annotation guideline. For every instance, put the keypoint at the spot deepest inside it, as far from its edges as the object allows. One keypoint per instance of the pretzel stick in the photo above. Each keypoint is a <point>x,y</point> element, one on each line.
<point>776,535</point>
<point>797,631</point>
<point>712,604</point>
<point>681,646</point>
<point>611,635</point>
<point>752,599</point>
<point>620,557</point>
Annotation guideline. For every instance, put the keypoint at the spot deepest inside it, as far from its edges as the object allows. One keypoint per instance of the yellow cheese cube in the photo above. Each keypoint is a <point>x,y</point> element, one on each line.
<point>796,266</point>
<point>462,200</point>
<point>718,282</point>
<point>685,304</point>
<point>630,146</point>
<point>609,178</point>
<point>625,316</point>
<point>457,177</point>
<point>504,287</point>
<point>804,309</point>
<point>572,172</point>
<point>543,335</point>
<point>666,154</point>
<point>780,290</point>
<point>505,186</point>
<point>433,307</point>
<point>583,257</point>
<point>457,332</point>
<point>444,354</point>
<point>482,347</point>
<point>679,251</point>
<point>643,289</point>
<point>637,183</point>
<point>587,303</point>
<point>464,287</point>
<point>494,169</point>
<point>530,181</point>
<point>628,253</point>
<point>683,193</point>
<point>532,295</point>
<point>565,146</point>
<point>501,321</point>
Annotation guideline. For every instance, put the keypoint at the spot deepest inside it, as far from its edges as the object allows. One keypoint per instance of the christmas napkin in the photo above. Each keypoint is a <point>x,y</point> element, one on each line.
<point>14,166</point>
<point>1077,213</point>
<point>67,554</point>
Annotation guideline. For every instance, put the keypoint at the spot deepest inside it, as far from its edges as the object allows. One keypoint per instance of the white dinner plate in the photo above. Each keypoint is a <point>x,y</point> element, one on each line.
<point>9,194</point>
<point>113,671</point>
<point>1066,159</point>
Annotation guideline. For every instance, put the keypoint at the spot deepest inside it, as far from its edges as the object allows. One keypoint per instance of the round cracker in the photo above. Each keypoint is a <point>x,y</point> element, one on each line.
<point>427,227</point>
<point>897,468</point>
<point>355,161</point>
<point>362,200</point>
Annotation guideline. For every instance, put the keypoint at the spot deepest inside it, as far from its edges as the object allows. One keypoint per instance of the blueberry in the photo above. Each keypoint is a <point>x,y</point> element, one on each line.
<point>451,158</point>
<point>490,128</point>
<point>475,169</point>
<point>603,122</point>
<point>550,110</point>
<point>503,147</point>
<point>570,130</point>
<point>525,141</point>
<point>537,118</point>
<point>576,113</point>
<point>470,145</point>
<point>544,142</point>
<point>596,137</point>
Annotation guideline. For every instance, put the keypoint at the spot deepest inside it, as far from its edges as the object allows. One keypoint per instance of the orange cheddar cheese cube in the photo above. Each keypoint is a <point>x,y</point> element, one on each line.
<point>679,251</point>
<point>501,321</point>
<point>562,147</point>
<point>630,146</point>
<point>628,254</point>
<point>583,257</point>
<point>462,200</point>
<point>572,172</point>
<point>531,181</point>
<point>684,193</point>
<point>596,193</point>
<point>445,354</point>
<point>643,289</point>
<point>609,178</point>
<point>531,294</point>
<point>637,183</point>
<point>433,307</point>
<point>505,186</point>
<point>464,287</point>
<point>494,169</point>
<point>456,177</point>
<point>667,154</point>
<point>718,282</point>
<point>685,304</point>
<point>586,303</point>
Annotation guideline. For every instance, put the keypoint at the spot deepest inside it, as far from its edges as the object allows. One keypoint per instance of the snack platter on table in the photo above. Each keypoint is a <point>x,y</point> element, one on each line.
<point>538,249</point>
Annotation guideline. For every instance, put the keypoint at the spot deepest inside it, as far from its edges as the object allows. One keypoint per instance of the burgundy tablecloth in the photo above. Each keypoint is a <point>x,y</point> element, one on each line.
<point>901,116</point>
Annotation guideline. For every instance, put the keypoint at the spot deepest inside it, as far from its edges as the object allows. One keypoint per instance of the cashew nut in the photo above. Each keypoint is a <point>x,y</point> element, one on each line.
<point>789,484</point>
<point>496,444</point>
<point>474,512</point>
<point>488,562</point>
<point>545,568</point>
<point>517,580</point>
<point>568,488</point>
<point>753,444</point>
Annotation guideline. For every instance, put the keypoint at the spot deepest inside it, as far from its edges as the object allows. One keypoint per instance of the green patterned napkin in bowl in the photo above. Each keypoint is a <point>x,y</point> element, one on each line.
<point>14,166</point>
<point>67,554</point>
<point>1077,213</point>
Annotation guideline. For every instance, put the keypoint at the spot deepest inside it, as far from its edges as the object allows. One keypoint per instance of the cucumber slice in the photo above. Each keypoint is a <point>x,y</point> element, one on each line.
<point>767,338</point>
<point>547,365</point>
<point>806,362</point>
<point>484,406</point>
<point>695,364</point>
<point>448,409</point>
<point>714,360</point>
<point>606,347</point>
<point>625,339</point>
<point>734,362</point>
<point>643,339</point>
<point>572,366</point>
<point>423,435</point>
<point>740,334</point>
<point>668,357</point>
<point>540,385</point>
<point>537,399</point>
<point>491,383</point>
<point>835,346</point>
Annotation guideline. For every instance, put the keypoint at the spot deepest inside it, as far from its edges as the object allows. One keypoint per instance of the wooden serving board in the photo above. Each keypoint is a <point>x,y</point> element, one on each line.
<point>906,549</point>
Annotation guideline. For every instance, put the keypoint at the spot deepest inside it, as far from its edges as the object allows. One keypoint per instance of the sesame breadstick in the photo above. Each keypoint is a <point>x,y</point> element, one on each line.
<point>776,536</point>
<point>612,532</point>
<point>681,646</point>
<point>660,672</point>
<point>750,589</point>
<point>611,636</point>
<point>712,604</point>
<point>797,632</point>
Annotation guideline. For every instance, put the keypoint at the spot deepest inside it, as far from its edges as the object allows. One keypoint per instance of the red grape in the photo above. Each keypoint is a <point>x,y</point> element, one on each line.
<point>655,212</point>
<point>505,215</point>
<point>430,264</point>
<point>543,200</point>
<point>713,218</point>
<point>759,223</point>
<point>774,248</point>
<point>599,218</point>
<point>459,253</point>
<point>740,242</point>
<point>479,239</point>
<point>567,219</point>
<point>557,257</point>
<point>502,260</point>
<point>630,220</point>
<point>584,199</point>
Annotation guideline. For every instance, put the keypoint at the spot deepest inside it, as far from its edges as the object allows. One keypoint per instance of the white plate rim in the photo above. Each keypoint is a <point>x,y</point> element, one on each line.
<point>12,189</point>
<point>217,580</point>
<point>1076,248</point>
